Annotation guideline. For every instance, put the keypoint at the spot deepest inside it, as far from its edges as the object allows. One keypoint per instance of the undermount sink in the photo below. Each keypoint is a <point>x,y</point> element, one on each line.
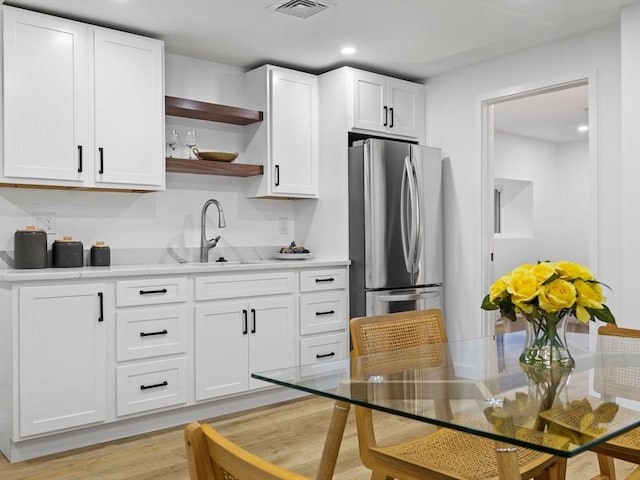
<point>221,264</point>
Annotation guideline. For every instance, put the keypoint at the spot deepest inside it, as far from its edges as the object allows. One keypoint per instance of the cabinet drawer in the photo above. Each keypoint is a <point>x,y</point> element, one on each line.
<point>235,286</point>
<point>151,332</point>
<point>315,280</point>
<point>150,291</point>
<point>323,312</point>
<point>151,385</point>
<point>324,348</point>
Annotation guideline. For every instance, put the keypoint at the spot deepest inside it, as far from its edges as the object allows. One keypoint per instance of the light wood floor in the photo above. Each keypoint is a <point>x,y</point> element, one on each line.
<point>290,434</point>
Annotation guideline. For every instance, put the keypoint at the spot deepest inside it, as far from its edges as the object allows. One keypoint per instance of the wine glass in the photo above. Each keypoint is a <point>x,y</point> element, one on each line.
<point>172,141</point>
<point>190,141</point>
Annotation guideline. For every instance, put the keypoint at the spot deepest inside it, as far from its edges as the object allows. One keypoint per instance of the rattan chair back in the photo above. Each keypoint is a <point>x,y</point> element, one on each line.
<point>211,456</point>
<point>618,382</point>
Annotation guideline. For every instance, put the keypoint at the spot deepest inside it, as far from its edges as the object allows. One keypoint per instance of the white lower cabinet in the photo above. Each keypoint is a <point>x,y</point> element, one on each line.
<point>62,357</point>
<point>323,316</point>
<point>151,385</point>
<point>235,337</point>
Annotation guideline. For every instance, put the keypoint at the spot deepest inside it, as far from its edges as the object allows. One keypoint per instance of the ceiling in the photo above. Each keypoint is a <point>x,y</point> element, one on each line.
<point>411,39</point>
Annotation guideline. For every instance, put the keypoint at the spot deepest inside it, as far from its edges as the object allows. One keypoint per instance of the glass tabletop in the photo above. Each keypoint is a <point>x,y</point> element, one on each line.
<point>479,386</point>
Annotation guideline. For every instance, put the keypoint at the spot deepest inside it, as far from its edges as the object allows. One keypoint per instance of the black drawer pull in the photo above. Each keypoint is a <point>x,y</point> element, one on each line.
<point>391,111</point>
<point>147,292</point>
<point>148,334</point>
<point>245,323</point>
<point>328,312</point>
<point>253,320</point>
<point>79,158</point>
<point>101,151</point>
<point>101,316</point>
<point>332,354</point>
<point>330,279</point>
<point>147,387</point>
<point>277,182</point>
<point>386,114</point>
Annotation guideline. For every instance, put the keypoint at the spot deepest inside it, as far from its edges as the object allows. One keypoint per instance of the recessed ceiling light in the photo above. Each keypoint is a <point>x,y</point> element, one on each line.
<point>583,128</point>
<point>348,50</point>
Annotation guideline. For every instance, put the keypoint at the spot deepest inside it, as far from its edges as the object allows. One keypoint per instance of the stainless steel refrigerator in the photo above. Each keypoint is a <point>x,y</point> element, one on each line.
<point>395,227</point>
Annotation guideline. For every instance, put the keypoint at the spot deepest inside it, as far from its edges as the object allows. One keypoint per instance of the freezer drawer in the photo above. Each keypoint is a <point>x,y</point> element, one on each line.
<point>401,300</point>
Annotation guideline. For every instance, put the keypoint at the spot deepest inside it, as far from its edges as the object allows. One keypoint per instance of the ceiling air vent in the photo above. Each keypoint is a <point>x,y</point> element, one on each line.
<point>299,8</point>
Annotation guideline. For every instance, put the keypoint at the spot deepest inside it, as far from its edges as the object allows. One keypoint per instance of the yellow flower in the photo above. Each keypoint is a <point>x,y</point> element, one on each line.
<point>589,295</point>
<point>557,295</point>
<point>498,288</point>
<point>543,270</point>
<point>522,285</point>
<point>571,271</point>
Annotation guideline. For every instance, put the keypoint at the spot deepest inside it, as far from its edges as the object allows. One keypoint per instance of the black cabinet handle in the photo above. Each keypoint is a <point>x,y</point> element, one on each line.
<point>320,280</point>
<point>147,292</point>
<point>277,175</point>
<point>101,150</point>
<point>101,317</point>
<point>148,334</point>
<point>386,114</point>
<point>79,158</point>
<point>328,312</point>
<point>147,387</point>
<point>391,111</point>
<point>253,320</point>
<point>245,322</point>
<point>325,355</point>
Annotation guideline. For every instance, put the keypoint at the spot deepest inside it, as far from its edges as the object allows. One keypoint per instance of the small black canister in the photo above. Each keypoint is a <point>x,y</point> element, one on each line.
<point>30,248</point>
<point>100,255</point>
<point>67,253</point>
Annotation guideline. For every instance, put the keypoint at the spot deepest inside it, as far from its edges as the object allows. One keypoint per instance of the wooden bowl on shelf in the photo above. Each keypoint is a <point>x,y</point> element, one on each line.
<point>215,156</point>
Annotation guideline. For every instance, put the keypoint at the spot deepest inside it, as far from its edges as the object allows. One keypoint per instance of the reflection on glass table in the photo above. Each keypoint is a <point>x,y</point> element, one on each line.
<point>480,388</point>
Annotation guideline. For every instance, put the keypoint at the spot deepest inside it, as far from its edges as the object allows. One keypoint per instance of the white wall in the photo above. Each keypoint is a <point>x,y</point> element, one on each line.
<point>172,217</point>
<point>556,171</point>
<point>453,123</point>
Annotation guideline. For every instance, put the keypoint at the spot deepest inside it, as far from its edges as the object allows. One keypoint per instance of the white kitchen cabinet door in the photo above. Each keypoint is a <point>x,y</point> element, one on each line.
<point>405,98</point>
<point>386,104</point>
<point>221,348</point>
<point>370,100</point>
<point>286,142</point>
<point>45,90</point>
<point>129,99</point>
<point>272,335</point>
<point>62,357</point>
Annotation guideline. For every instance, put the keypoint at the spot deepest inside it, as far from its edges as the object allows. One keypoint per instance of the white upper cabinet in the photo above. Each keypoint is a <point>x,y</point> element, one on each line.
<point>45,97</point>
<point>129,109</point>
<point>83,105</point>
<point>386,105</point>
<point>286,143</point>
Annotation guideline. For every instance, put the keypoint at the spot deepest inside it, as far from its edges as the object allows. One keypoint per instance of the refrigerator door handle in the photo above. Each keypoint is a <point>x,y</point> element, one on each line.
<point>408,244</point>
<point>408,296</point>
<point>417,210</point>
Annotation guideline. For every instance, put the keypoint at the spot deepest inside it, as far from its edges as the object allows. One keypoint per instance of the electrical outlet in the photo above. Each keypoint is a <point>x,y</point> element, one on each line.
<point>45,221</point>
<point>284,226</point>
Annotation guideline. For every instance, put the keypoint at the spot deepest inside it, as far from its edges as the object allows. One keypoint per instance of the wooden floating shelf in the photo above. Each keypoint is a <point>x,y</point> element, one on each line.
<point>182,107</point>
<point>182,165</point>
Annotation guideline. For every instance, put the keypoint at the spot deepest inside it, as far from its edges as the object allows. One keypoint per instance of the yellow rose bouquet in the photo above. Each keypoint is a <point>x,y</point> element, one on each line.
<point>546,293</point>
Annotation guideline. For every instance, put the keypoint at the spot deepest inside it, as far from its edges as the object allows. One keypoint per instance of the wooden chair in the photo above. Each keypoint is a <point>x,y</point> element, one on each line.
<point>211,456</point>
<point>619,382</point>
<point>445,453</point>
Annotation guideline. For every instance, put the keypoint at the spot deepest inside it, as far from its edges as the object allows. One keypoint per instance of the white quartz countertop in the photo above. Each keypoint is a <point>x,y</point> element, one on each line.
<point>31,275</point>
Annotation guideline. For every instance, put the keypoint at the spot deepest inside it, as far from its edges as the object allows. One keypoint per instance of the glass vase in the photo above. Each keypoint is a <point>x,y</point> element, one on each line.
<point>546,342</point>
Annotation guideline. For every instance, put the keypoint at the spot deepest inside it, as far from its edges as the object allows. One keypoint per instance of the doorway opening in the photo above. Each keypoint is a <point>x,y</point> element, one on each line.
<point>539,170</point>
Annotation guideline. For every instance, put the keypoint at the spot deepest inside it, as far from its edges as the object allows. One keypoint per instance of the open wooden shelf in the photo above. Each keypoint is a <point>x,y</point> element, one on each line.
<point>206,167</point>
<point>182,107</point>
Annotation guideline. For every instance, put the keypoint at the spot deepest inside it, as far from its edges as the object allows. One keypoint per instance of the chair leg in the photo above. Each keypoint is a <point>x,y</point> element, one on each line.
<point>607,468</point>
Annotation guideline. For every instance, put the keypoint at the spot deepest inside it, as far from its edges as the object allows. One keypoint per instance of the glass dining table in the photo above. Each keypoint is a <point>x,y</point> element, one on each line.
<point>487,392</point>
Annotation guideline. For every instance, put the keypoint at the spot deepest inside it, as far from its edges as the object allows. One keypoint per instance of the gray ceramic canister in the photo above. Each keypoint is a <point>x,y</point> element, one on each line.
<point>30,248</point>
<point>67,253</point>
<point>100,255</point>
